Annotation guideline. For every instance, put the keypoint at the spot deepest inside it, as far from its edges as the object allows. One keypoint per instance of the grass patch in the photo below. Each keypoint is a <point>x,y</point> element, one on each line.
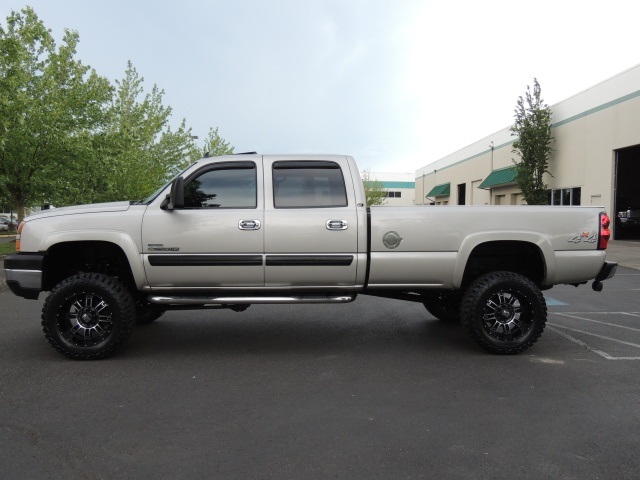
<point>7,248</point>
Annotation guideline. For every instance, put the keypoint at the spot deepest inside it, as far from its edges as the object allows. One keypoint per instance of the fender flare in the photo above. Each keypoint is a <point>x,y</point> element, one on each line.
<point>472,241</point>
<point>122,240</point>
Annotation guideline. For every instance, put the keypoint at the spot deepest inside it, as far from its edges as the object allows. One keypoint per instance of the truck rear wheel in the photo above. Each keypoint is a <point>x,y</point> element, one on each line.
<point>504,312</point>
<point>88,316</point>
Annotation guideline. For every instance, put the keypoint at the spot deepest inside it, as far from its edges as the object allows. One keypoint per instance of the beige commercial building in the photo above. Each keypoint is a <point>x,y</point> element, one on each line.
<point>596,157</point>
<point>400,187</point>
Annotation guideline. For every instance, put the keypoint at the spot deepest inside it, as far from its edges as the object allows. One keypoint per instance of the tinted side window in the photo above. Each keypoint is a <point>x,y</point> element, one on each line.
<point>308,184</point>
<point>222,188</point>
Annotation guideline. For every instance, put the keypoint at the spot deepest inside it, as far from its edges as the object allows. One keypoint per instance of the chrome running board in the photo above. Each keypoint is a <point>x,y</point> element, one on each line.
<point>184,300</point>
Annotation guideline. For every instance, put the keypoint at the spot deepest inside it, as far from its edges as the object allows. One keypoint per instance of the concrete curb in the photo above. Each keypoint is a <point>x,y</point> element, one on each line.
<point>3,282</point>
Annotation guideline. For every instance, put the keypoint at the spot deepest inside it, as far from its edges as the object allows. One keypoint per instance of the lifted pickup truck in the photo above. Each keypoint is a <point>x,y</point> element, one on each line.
<point>250,229</point>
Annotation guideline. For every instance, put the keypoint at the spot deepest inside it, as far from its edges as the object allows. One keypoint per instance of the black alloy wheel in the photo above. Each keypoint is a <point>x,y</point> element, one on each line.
<point>504,312</point>
<point>88,316</point>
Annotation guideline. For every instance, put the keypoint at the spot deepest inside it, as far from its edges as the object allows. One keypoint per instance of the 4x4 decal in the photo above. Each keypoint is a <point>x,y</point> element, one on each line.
<point>584,237</point>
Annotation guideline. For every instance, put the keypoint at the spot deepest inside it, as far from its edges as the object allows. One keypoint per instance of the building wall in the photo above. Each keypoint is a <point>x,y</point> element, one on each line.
<point>587,128</point>
<point>401,187</point>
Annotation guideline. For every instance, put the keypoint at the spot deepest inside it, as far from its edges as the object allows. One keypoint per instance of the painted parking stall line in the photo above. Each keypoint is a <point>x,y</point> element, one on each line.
<point>587,346</point>
<point>615,325</point>
<point>611,335</point>
<point>553,302</point>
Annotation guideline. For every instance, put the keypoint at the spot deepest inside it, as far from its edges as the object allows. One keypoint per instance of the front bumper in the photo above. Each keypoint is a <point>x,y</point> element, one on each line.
<point>24,274</point>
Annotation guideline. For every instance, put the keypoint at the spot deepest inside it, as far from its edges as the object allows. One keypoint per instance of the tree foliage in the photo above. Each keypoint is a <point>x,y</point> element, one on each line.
<point>50,106</point>
<point>138,144</point>
<point>374,192</point>
<point>533,145</point>
<point>215,145</point>
<point>68,136</point>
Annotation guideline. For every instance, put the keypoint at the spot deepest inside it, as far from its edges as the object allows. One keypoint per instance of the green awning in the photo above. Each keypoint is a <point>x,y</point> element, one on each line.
<point>440,190</point>
<point>500,178</point>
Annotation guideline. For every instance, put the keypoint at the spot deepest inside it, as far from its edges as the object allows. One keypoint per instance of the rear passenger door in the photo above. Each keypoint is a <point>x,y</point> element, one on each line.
<point>311,230</point>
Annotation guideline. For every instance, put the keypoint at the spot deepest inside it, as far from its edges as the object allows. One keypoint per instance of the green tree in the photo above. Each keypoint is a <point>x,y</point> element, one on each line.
<point>533,145</point>
<point>139,150</point>
<point>50,107</point>
<point>215,145</point>
<point>375,194</point>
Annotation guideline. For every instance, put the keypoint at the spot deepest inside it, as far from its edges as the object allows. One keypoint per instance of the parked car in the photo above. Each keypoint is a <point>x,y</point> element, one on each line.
<point>6,224</point>
<point>629,217</point>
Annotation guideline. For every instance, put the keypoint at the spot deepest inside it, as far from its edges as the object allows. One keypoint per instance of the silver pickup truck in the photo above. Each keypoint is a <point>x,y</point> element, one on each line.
<point>247,229</point>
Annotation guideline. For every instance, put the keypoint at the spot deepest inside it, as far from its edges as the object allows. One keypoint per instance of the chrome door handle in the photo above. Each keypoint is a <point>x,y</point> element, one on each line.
<point>249,224</point>
<point>337,225</point>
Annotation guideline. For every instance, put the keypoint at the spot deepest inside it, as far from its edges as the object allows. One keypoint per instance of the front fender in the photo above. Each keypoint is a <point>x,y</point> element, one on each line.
<point>121,239</point>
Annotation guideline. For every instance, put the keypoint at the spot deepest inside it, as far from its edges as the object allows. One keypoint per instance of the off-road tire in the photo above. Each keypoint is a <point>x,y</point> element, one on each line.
<point>504,312</point>
<point>88,316</point>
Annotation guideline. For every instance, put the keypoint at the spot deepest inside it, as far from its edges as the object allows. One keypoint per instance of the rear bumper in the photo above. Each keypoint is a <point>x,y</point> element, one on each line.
<point>24,274</point>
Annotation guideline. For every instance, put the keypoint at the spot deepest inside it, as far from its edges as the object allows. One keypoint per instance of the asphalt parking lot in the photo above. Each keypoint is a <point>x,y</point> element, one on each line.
<point>373,389</point>
<point>612,330</point>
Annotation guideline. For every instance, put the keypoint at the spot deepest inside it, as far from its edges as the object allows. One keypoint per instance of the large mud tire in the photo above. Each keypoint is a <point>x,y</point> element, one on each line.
<point>88,316</point>
<point>504,312</point>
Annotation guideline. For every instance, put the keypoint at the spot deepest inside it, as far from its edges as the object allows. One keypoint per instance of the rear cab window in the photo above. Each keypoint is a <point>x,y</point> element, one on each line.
<point>308,184</point>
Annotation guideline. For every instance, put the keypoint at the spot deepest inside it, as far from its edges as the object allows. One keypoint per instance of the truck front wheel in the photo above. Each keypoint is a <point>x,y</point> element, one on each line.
<point>504,312</point>
<point>88,316</point>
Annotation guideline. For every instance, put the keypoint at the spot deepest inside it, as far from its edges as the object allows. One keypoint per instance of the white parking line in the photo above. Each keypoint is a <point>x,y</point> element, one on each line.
<point>635,314</point>
<point>588,347</point>
<point>623,289</point>
<point>597,321</point>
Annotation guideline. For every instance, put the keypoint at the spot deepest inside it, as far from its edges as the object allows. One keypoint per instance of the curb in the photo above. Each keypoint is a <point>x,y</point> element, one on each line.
<point>633,266</point>
<point>3,282</point>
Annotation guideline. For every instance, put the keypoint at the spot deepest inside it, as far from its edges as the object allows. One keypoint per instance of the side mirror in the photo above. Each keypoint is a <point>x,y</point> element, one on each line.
<point>176,197</point>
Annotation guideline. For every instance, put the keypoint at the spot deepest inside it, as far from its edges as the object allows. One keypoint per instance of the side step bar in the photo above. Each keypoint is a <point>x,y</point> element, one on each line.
<point>203,301</point>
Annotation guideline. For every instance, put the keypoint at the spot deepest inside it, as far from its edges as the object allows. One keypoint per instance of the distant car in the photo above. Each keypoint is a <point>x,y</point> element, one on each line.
<point>6,224</point>
<point>629,217</point>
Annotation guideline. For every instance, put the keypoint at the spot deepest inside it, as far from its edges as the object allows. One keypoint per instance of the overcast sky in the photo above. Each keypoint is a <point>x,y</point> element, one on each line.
<point>398,84</point>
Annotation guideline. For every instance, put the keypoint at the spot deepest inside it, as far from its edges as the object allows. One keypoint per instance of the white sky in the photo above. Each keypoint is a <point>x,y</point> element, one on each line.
<point>398,84</point>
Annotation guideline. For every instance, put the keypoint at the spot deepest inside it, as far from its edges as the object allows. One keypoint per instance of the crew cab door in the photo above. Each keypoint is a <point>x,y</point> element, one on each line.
<point>311,223</point>
<point>216,239</point>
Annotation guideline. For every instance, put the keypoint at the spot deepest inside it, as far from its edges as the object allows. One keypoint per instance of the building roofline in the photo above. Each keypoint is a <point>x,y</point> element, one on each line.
<point>615,90</point>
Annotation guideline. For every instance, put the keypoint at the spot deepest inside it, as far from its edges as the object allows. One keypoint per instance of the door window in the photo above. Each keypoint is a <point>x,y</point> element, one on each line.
<point>225,186</point>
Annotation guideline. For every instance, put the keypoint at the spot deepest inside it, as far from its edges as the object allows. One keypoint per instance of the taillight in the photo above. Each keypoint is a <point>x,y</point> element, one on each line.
<point>19,235</point>
<point>605,232</point>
